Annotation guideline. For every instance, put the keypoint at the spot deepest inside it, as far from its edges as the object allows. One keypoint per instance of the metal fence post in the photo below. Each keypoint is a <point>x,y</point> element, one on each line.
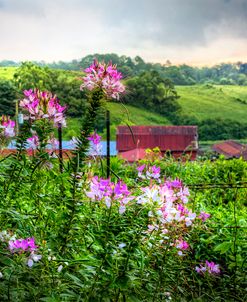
<point>108,162</point>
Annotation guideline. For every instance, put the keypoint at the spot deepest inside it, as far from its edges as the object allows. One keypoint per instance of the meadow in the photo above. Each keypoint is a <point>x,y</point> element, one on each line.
<point>157,230</point>
<point>214,101</point>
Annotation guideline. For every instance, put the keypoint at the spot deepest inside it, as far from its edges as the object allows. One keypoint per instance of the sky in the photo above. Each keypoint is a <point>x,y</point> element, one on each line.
<point>196,32</point>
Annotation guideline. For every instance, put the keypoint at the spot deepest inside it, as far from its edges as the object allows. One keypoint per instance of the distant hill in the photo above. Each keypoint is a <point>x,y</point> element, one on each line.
<point>224,73</point>
<point>214,101</point>
<point>200,104</point>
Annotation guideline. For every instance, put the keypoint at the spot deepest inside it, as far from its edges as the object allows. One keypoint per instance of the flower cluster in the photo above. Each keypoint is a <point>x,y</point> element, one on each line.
<point>43,105</point>
<point>27,246</point>
<point>169,199</point>
<point>182,246</point>
<point>146,172</point>
<point>96,146</point>
<point>109,192</point>
<point>34,143</point>
<point>204,216</point>
<point>7,127</point>
<point>209,267</point>
<point>22,244</point>
<point>105,77</point>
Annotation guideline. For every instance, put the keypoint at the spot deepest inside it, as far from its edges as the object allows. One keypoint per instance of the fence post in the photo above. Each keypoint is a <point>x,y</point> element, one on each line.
<point>60,147</point>
<point>108,162</point>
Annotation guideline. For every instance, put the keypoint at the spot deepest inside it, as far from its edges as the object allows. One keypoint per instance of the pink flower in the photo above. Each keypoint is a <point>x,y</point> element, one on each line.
<point>33,141</point>
<point>53,143</point>
<point>8,126</point>
<point>105,77</point>
<point>204,216</point>
<point>151,172</point>
<point>104,189</point>
<point>182,245</point>
<point>43,105</point>
<point>22,244</point>
<point>96,143</point>
<point>209,267</point>
<point>95,138</point>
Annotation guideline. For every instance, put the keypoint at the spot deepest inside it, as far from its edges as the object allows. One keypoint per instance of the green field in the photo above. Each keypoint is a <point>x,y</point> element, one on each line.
<point>7,73</point>
<point>120,115</point>
<point>202,101</point>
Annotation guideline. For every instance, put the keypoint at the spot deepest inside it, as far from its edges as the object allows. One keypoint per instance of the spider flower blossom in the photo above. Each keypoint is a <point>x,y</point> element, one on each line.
<point>182,246</point>
<point>169,203</point>
<point>151,172</point>
<point>43,105</point>
<point>33,142</point>
<point>209,267</point>
<point>22,245</point>
<point>204,216</point>
<point>8,126</point>
<point>96,147</point>
<point>104,189</point>
<point>105,77</point>
<point>27,246</point>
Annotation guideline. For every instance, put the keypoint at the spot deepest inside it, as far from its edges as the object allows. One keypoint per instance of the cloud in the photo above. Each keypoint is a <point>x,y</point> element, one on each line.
<point>155,29</point>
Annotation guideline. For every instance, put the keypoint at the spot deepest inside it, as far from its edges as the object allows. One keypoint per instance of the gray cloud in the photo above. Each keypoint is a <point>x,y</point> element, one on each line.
<point>177,21</point>
<point>61,29</point>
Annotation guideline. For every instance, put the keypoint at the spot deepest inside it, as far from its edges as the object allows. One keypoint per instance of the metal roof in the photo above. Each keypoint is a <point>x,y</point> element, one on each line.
<point>230,149</point>
<point>173,138</point>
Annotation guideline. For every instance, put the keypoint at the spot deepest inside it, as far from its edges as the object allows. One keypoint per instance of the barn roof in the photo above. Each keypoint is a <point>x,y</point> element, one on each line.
<point>230,149</point>
<point>173,138</point>
<point>158,130</point>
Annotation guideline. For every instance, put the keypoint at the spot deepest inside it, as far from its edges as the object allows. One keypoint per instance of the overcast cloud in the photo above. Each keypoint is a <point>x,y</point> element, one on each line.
<point>190,31</point>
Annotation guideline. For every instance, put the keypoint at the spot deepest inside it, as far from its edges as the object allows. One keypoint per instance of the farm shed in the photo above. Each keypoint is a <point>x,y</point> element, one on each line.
<point>231,149</point>
<point>178,140</point>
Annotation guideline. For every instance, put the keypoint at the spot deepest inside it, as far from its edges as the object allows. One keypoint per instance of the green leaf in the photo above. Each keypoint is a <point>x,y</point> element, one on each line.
<point>223,247</point>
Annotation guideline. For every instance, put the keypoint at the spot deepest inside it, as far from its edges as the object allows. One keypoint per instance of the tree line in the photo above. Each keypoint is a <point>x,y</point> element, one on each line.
<point>148,90</point>
<point>224,73</point>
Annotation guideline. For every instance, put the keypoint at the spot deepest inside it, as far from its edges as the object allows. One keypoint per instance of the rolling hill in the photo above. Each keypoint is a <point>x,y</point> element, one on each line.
<point>201,101</point>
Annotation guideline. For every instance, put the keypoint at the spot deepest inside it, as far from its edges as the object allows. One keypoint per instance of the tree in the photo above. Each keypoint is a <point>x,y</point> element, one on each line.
<point>7,97</point>
<point>150,91</point>
<point>65,84</point>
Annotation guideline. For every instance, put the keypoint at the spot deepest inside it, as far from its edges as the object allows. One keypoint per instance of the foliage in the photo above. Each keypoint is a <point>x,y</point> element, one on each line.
<point>224,73</point>
<point>7,97</point>
<point>150,91</point>
<point>93,253</point>
<point>65,86</point>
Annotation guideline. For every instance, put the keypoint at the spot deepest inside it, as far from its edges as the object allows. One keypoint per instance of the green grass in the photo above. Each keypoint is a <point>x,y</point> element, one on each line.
<point>119,115</point>
<point>7,73</point>
<point>130,115</point>
<point>202,101</point>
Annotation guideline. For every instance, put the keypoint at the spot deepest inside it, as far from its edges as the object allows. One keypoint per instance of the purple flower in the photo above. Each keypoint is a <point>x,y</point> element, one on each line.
<point>96,143</point>
<point>43,105</point>
<point>104,189</point>
<point>33,141</point>
<point>22,244</point>
<point>209,267</point>
<point>182,245</point>
<point>204,216</point>
<point>8,126</point>
<point>141,168</point>
<point>104,76</point>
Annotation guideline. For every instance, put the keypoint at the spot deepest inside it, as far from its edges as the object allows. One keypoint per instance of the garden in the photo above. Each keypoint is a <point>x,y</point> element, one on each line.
<point>157,230</point>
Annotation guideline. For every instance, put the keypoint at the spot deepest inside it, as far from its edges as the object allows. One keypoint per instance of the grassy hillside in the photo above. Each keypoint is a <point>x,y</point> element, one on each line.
<point>120,115</point>
<point>7,73</point>
<point>207,101</point>
<point>201,101</point>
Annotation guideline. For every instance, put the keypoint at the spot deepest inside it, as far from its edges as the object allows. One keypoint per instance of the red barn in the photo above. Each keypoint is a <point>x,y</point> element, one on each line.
<point>178,140</point>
